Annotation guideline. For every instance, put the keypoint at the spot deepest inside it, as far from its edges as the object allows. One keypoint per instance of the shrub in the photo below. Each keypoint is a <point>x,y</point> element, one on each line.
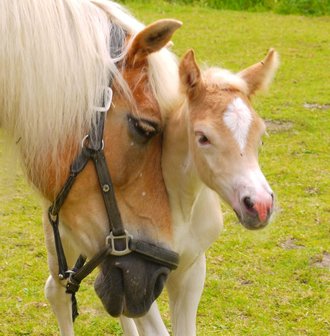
<point>304,7</point>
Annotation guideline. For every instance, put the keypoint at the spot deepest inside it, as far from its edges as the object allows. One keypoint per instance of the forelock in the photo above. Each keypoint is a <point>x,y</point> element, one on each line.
<point>224,79</point>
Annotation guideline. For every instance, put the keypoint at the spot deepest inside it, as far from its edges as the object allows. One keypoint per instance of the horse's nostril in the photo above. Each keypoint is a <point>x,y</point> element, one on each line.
<point>159,284</point>
<point>248,202</point>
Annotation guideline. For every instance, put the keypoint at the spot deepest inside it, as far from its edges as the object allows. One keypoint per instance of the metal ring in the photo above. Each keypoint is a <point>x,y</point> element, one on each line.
<point>84,139</point>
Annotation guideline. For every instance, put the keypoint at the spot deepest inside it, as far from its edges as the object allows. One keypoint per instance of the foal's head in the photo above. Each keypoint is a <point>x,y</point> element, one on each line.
<point>225,134</point>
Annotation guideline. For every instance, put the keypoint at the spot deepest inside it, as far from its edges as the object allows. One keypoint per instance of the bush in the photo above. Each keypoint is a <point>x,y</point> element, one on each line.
<point>304,7</point>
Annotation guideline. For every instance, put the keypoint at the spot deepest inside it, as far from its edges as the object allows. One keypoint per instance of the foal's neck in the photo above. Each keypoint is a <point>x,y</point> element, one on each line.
<point>181,178</point>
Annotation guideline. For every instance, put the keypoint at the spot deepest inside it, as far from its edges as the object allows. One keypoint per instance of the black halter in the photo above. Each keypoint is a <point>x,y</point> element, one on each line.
<point>119,242</point>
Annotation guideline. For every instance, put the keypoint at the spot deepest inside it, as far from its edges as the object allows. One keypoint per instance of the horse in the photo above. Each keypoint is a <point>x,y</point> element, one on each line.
<point>210,151</point>
<point>85,89</point>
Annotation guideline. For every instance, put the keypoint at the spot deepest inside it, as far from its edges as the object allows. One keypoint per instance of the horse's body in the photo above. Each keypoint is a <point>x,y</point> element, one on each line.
<point>210,150</point>
<point>54,64</point>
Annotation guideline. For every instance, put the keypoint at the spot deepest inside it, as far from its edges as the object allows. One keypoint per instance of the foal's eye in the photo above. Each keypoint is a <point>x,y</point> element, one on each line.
<point>142,130</point>
<point>202,139</point>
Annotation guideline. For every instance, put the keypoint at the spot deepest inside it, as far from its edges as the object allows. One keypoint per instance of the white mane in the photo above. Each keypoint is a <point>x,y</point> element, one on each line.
<point>54,62</point>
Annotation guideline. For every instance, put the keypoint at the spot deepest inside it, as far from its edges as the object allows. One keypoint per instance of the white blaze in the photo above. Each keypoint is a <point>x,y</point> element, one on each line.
<point>238,119</point>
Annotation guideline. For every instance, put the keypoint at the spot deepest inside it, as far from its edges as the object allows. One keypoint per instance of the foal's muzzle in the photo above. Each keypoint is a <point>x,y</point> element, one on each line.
<point>255,213</point>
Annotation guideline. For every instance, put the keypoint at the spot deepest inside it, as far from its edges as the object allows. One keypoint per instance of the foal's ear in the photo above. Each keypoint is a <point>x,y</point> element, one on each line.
<point>259,76</point>
<point>190,75</point>
<point>151,39</point>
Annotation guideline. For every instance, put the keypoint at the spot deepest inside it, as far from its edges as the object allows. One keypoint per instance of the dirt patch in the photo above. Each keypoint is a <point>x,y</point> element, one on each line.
<point>277,126</point>
<point>291,244</point>
<point>323,261</point>
<point>245,282</point>
<point>312,191</point>
<point>315,106</point>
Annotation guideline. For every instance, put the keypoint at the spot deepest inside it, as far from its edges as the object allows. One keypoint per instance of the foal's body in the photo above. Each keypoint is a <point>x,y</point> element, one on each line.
<point>210,150</point>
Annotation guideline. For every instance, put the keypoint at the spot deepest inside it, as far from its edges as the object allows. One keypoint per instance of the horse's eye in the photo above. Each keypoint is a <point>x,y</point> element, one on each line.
<point>142,130</point>
<point>202,139</point>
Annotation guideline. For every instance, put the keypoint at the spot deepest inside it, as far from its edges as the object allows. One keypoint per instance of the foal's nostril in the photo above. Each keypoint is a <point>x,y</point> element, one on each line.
<point>248,202</point>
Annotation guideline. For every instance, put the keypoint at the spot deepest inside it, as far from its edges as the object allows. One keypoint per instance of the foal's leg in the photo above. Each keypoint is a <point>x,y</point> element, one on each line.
<point>128,326</point>
<point>150,324</point>
<point>55,289</point>
<point>185,285</point>
<point>185,288</point>
<point>61,305</point>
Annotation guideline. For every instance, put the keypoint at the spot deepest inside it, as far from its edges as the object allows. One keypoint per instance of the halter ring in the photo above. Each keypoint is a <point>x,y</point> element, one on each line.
<point>84,140</point>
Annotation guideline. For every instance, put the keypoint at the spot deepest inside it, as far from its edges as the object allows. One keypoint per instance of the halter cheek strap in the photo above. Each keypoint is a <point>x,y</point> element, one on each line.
<point>119,242</point>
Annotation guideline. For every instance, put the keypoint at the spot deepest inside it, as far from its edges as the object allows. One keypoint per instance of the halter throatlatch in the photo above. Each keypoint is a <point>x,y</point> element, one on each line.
<point>119,242</point>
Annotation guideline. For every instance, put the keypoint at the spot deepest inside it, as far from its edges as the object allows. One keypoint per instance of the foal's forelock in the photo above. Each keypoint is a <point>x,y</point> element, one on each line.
<point>224,79</point>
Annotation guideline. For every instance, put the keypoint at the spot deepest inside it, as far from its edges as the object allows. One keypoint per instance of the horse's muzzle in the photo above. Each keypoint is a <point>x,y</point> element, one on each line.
<point>129,284</point>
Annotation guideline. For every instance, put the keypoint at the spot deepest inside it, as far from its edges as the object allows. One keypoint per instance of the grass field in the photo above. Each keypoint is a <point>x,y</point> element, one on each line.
<point>272,282</point>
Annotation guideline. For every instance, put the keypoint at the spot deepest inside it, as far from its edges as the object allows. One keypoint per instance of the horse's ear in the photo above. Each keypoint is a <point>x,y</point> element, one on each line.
<point>190,75</point>
<point>151,39</point>
<point>259,76</point>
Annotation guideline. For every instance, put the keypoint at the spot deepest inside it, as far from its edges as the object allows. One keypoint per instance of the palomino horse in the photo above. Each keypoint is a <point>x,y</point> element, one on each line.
<point>210,149</point>
<point>57,58</point>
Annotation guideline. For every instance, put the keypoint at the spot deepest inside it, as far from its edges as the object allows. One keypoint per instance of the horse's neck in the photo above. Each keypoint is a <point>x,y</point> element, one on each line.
<point>179,171</point>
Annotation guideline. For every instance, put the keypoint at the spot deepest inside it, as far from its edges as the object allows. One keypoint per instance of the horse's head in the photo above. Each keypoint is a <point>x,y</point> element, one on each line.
<point>133,139</point>
<point>225,134</point>
<point>50,84</point>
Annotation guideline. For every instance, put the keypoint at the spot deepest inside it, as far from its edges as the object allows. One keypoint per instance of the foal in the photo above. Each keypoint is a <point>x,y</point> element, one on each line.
<point>210,149</point>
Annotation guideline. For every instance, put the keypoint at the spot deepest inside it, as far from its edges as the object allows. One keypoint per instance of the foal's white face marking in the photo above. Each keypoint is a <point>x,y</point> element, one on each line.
<point>238,119</point>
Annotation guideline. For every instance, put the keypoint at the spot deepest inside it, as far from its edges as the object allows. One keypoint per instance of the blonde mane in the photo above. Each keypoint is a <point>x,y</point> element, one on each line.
<point>54,64</point>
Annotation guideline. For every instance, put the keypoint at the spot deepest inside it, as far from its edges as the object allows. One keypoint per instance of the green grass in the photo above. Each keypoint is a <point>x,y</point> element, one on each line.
<point>258,283</point>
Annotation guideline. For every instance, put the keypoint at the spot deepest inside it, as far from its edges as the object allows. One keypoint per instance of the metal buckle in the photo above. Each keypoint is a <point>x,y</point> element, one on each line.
<point>72,286</point>
<point>111,239</point>
<point>107,100</point>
